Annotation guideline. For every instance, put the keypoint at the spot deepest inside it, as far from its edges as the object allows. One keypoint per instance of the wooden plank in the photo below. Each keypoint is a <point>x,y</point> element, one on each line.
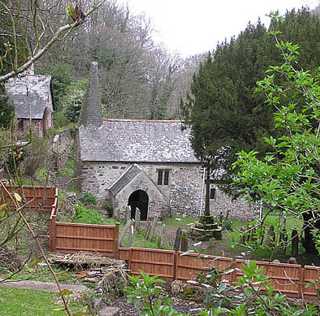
<point>84,237</point>
<point>153,263</point>
<point>83,249</point>
<point>86,225</point>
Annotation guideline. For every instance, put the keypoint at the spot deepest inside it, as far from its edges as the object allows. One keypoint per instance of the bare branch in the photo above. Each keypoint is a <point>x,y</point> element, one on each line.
<point>62,30</point>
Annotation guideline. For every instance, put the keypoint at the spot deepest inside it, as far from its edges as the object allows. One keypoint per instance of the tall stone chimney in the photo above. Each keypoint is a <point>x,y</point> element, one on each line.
<point>91,110</point>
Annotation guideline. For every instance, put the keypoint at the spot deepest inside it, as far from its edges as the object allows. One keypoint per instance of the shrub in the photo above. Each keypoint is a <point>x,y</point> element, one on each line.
<point>88,198</point>
<point>148,296</point>
<point>90,216</point>
<point>107,205</point>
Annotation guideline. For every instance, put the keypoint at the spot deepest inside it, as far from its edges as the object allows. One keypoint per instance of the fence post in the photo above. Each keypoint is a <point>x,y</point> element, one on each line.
<point>116,241</point>
<point>52,234</point>
<point>129,259</point>
<point>234,272</point>
<point>301,282</point>
<point>175,264</point>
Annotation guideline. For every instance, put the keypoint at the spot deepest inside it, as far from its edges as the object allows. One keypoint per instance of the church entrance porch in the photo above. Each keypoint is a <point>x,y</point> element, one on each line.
<point>139,199</point>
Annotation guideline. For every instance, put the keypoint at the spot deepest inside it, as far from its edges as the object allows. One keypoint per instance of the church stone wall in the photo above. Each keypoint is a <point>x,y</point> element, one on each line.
<point>238,208</point>
<point>183,194</point>
<point>158,204</point>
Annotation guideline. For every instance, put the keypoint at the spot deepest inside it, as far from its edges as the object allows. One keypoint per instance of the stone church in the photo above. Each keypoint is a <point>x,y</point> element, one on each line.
<point>144,164</point>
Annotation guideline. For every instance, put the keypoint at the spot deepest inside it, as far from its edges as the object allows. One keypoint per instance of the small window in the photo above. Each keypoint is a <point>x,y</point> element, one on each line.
<point>163,176</point>
<point>160,173</point>
<point>166,177</point>
<point>212,193</point>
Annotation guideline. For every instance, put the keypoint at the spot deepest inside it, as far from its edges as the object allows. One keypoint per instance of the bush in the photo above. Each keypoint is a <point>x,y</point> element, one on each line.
<point>88,198</point>
<point>107,205</point>
<point>90,216</point>
<point>72,101</point>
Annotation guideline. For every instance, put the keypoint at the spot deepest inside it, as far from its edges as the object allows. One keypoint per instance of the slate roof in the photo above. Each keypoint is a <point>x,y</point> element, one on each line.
<point>30,95</point>
<point>136,141</point>
<point>125,179</point>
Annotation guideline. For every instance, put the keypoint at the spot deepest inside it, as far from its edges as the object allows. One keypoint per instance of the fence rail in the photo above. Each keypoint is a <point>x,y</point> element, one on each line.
<point>36,198</point>
<point>72,237</point>
<point>290,279</point>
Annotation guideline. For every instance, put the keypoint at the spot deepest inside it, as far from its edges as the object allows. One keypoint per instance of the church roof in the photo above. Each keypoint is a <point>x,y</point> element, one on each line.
<point>30,95</point>
<point>136,141</point>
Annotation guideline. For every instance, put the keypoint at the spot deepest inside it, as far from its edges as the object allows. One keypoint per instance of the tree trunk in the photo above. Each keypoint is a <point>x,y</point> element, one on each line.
<point>207,198</point>
<point>311,222</point>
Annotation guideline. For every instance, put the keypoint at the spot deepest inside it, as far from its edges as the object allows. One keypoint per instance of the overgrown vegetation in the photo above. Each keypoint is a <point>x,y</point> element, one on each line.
<point>287,178</point>
<point>244,298</point>
<point>90,216</point>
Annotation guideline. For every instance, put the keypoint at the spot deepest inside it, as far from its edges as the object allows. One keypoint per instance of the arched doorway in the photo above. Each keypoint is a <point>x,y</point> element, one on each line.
<point>139,199</point>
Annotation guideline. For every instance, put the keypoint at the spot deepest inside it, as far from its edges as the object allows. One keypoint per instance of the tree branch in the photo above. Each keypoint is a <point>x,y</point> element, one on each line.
<point>55,37</point>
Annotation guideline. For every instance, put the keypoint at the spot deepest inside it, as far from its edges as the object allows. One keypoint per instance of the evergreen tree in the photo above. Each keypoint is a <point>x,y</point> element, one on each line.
<point>223,109</point>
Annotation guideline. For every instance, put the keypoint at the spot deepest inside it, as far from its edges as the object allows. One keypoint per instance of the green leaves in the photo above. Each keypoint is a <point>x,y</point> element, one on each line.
<point>288,177</point>
<point>147,294</point>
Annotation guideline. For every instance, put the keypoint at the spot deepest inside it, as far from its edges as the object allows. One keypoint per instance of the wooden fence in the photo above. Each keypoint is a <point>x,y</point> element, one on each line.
<point>35,197</point>
<point>74,237</point>
<point>68,237</point>
<point>290,279</point>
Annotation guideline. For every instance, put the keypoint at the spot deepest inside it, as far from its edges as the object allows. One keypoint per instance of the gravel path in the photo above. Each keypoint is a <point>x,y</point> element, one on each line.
<point>45,286</point>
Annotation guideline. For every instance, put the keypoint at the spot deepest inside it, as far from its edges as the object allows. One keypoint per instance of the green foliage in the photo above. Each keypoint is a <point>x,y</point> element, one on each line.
<point>147,294</point>
<point>42,174</point>
<point>90,216</point>
<point>73,99</point>
<point>15,302</point>
<point>107,205</point>
<point>69,168</point>
<point>244,298</point>
<point>88,198</point>
<point>223,108</point>
<point>247,298</point>
<point>288,177</point>
<point>61,78</point>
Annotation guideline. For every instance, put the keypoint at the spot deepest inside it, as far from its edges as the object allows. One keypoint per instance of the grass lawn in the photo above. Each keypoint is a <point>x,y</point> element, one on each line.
<point>33,272</point>
<point>140,241</point>
<point>20,302</point>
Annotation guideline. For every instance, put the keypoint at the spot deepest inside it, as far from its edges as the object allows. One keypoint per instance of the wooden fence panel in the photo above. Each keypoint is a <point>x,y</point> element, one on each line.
<point>37,198</point>
<point>85,237</point>
<point>188,266</point>
<point>290,279</point>
<point>311,280</point>
<point>283,277</point>
<point>152,261</point>
<point>124,254</point>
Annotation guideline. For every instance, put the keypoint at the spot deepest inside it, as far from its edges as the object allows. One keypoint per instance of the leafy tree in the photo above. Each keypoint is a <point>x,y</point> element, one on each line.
<point>72,100</point>
<point>287,178</point>
<point>61,78</point>
<point>223,109</point>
